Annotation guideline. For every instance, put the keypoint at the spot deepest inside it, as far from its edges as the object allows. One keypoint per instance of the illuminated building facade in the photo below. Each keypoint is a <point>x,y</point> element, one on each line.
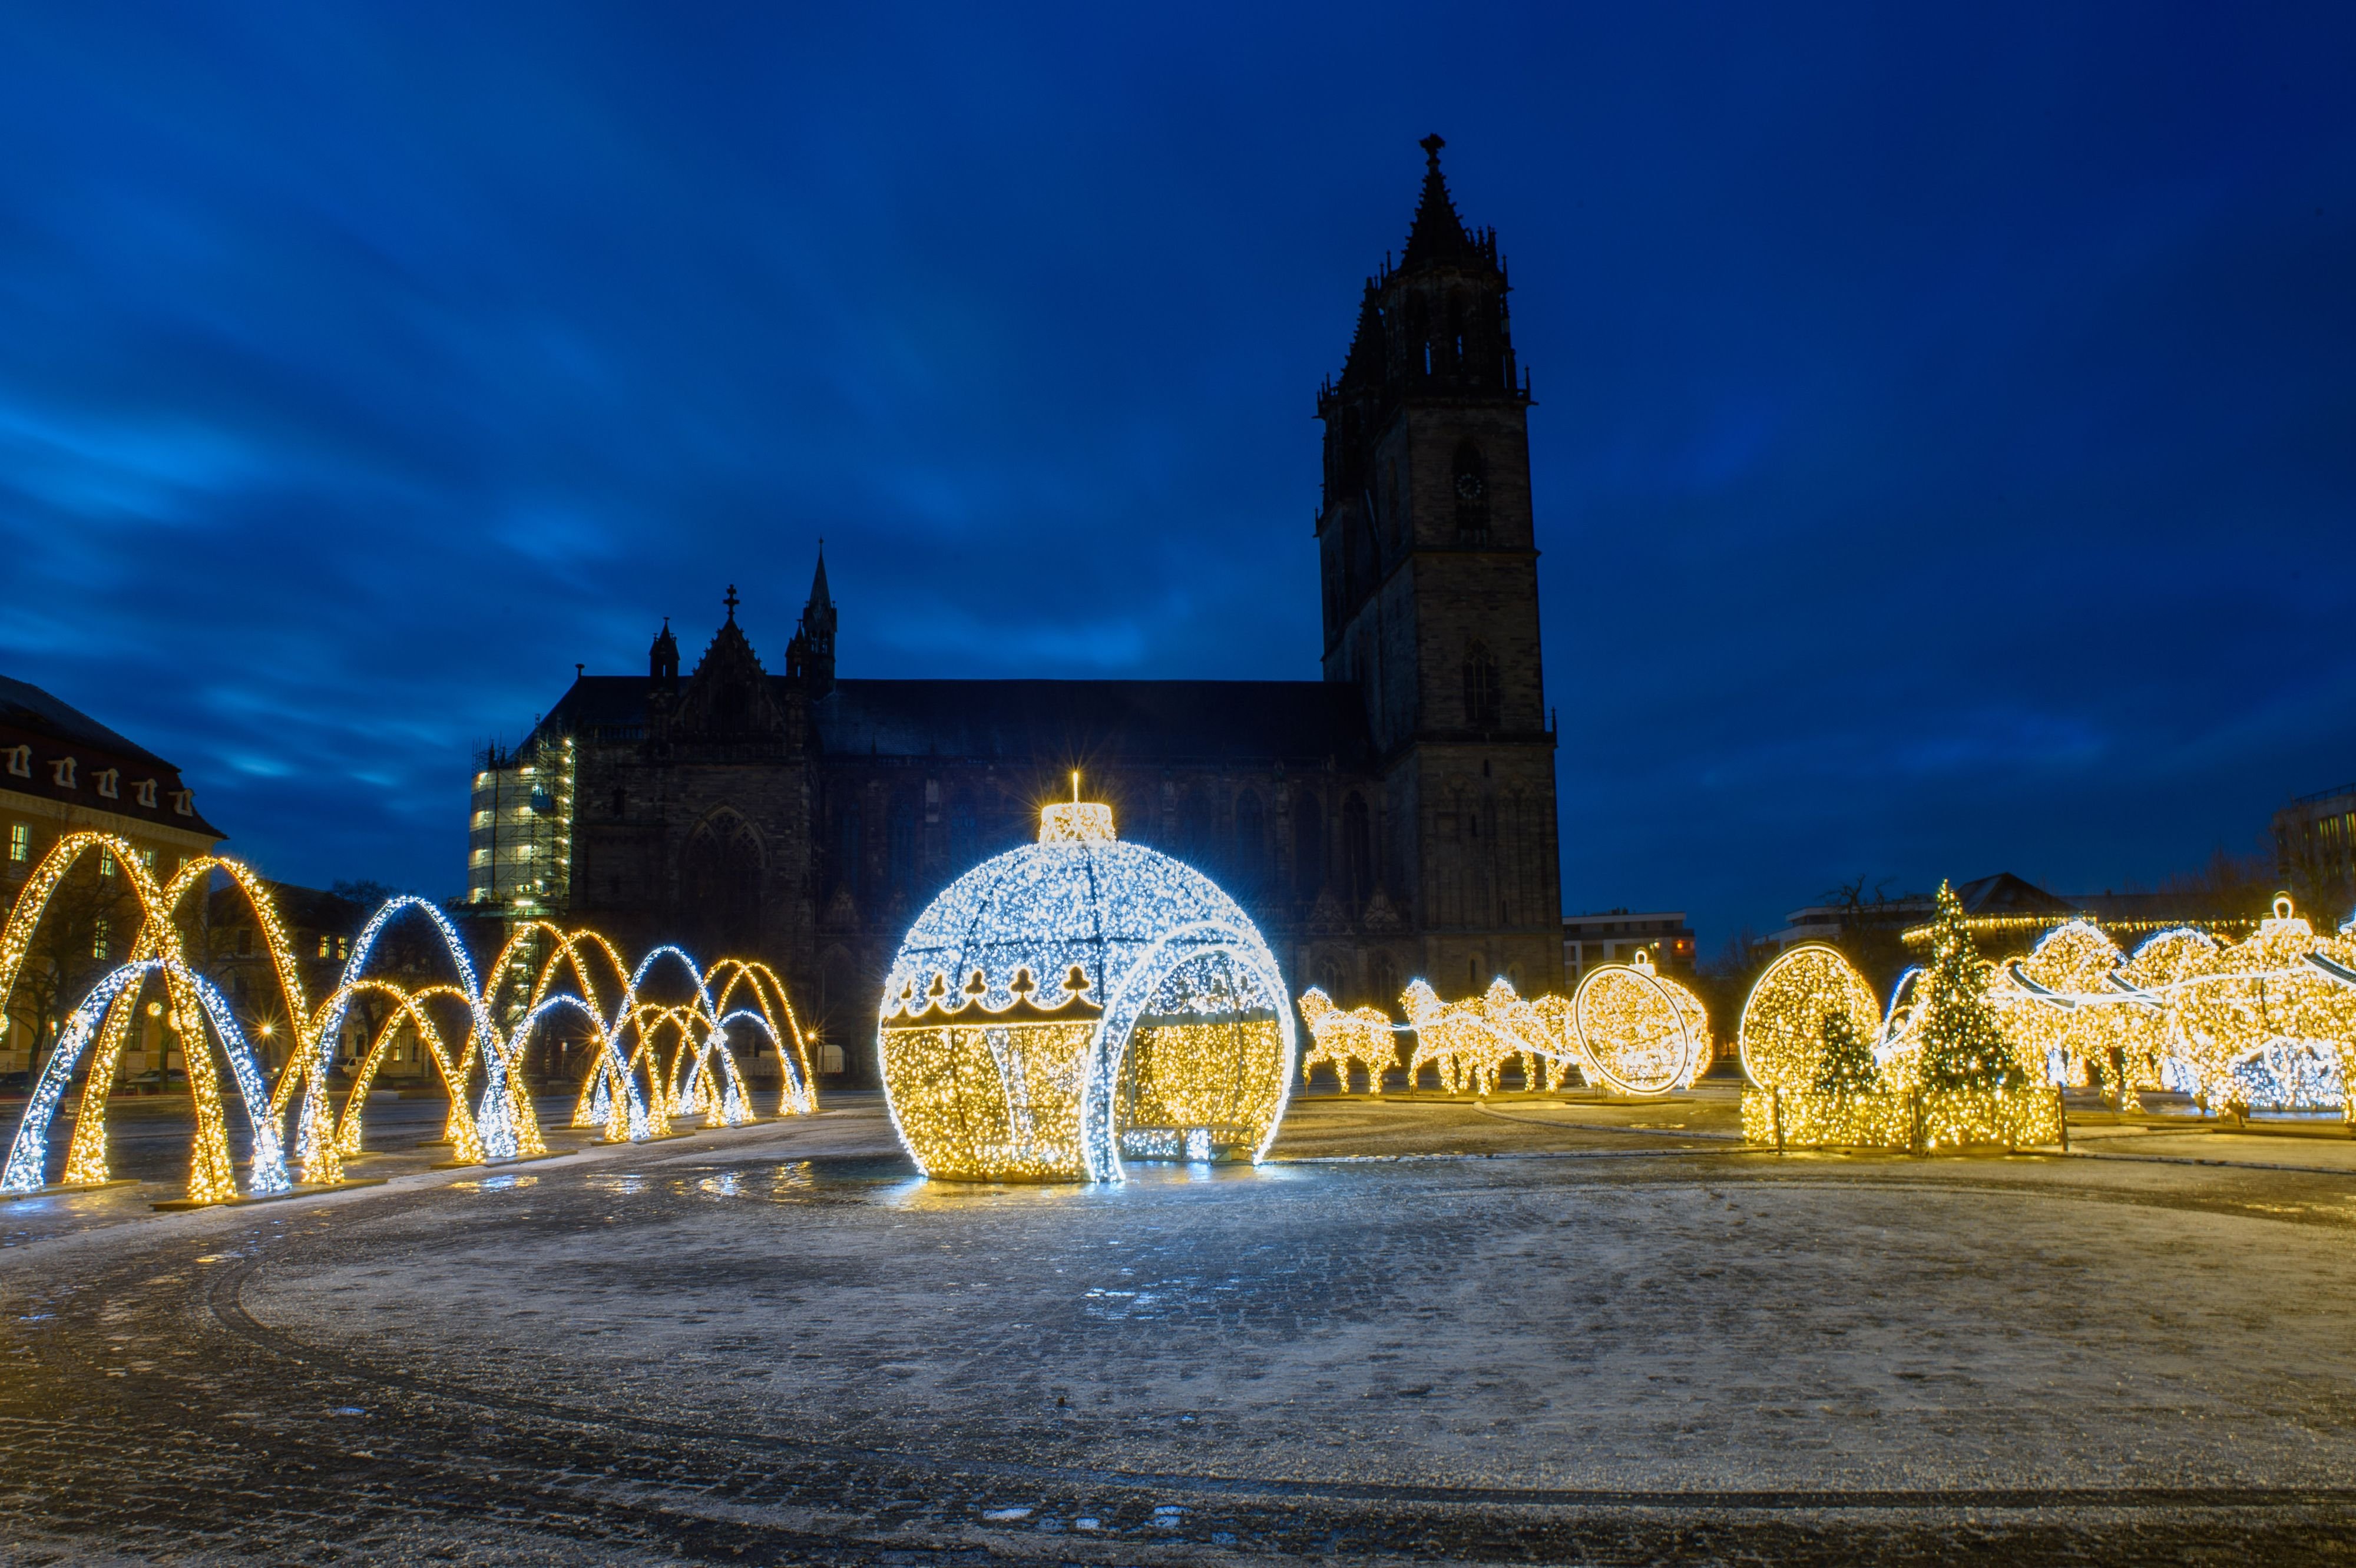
<point>62,772</point>
<point>1391,820</point>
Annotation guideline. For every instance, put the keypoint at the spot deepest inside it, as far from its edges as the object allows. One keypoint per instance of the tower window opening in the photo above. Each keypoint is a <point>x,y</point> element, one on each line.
<point>1481,696</point>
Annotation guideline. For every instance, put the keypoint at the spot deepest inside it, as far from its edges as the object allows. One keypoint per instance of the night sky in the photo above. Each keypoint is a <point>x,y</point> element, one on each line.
<point>1945,438</point>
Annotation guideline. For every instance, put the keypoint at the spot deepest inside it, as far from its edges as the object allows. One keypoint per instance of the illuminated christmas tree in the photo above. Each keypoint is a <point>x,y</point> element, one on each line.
<point>1962,1045</point>
<point>1848,1066</point>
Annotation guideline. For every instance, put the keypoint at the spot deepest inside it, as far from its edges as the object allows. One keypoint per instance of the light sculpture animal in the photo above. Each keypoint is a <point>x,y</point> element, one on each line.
<point>1340,1040</point>
<point>1458,1039</point>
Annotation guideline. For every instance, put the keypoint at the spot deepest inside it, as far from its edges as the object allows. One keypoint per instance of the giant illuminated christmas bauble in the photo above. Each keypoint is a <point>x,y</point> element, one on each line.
<point>1078,1002</point>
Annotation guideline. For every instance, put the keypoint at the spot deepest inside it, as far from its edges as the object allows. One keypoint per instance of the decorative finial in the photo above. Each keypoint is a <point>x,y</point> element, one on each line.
<point>577,668</point>
<point>731,601</point>
<point>1075,786</point>
<point>1432,145</point>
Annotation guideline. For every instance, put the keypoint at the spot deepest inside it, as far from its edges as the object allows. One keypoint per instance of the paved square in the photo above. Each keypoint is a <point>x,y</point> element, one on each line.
<point>1532,1331</point>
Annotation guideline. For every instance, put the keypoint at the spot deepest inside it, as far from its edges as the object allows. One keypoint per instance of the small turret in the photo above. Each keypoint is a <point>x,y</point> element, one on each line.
<point>810,656</point>
<point>662,658</point>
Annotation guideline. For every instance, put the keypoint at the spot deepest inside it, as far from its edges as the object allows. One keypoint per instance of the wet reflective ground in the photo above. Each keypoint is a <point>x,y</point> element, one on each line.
<point>1533,1332</point>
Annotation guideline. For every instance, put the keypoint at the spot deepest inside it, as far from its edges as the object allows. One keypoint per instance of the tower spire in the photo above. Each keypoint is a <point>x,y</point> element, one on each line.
<point>811,657</point>
<point>1438,233</point>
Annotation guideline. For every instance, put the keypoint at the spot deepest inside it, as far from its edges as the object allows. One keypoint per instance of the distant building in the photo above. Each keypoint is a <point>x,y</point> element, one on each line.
<point>1615,936</point>
<point>1830,923</point>
<point>319,926</point>
<point>62,772</point>
<point>2005,911</point>
<point>2314,850</point>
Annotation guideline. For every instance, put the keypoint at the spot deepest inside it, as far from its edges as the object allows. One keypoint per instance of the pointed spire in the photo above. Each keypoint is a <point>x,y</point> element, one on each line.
<point>662,658</point>
<point>1438,233</point>
<point>812,655</point>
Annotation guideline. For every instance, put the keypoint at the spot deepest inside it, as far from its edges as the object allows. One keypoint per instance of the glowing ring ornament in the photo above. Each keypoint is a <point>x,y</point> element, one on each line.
<point>1782,1021</point>
<point>1077,1000</point>
<point>1643,1034</point>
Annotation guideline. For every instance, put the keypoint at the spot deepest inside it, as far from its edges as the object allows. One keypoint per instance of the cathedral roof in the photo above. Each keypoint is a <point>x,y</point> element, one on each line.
<point>1110,721</point>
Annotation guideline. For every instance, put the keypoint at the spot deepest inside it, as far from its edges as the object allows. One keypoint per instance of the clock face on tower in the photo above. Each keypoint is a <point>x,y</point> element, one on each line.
<point>1468,486</point>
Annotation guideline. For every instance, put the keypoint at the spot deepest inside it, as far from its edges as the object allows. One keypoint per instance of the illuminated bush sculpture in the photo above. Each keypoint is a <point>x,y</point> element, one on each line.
<point>1078,1001</point>
<point>454,1021</point>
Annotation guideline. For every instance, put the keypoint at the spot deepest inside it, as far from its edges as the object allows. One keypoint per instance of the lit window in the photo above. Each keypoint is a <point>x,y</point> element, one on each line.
<point>326,947</point>
<point>106,862</point>
<point>20,841</point>
<point>99,936</point>
<point>147,859</point>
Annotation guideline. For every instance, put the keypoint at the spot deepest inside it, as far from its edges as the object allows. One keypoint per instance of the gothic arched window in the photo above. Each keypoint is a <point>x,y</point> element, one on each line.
<point>1197,824</point>
<point>1480,695</point>
<point>900,846</point>
<point>965,835</point>
<point>723,877</point>
<point>1357,846</point>
<point>1472,484</point>
<point>1308,847</point>
<point>1252,836</point>
<point>1382,981</point>
<point>847,845</point>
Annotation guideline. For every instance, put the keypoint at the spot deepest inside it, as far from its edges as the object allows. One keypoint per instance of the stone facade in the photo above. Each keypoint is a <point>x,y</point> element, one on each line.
<point>1395,819</point>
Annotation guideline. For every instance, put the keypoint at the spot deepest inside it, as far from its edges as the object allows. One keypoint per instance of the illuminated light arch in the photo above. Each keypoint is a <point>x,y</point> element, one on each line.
<point>1078,1001</point>
<point>450,1066</point>
<point>503,1116</point>
<point>157,938</point>
<point>797,1094</point>
<point>500,1124</point>
<point>28,1152</point>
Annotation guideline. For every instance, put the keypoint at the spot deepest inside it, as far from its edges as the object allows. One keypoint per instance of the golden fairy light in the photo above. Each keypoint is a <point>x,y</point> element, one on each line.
<point>1360,1036</point>
<point>1627,1028</point>
<point>490,1115</point>
<point>1079,1002</point>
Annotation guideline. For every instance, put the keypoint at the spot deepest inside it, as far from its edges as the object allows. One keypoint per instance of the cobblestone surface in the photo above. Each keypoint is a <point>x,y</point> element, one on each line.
<point>1532,1331</point>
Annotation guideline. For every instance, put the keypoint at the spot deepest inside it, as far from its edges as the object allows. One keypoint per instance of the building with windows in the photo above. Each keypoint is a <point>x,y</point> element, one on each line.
<point>1616,935</point>
<point>1394,819</point>
<point>2315,851</point>
<point>62,772</point>
<point>319,927</point>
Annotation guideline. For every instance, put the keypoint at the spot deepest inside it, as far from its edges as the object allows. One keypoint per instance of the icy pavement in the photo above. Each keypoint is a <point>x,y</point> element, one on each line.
<point>1526,1330</point>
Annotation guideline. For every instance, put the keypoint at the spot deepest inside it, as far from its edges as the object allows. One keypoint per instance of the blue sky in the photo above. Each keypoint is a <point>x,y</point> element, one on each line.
<point>1946,440</point>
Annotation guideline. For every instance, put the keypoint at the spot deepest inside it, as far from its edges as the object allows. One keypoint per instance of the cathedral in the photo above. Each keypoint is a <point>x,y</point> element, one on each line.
<point>1395,819</point>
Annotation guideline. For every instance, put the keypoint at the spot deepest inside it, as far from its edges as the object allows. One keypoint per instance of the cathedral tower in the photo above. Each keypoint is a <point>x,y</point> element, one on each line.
<point>1428,559</point>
